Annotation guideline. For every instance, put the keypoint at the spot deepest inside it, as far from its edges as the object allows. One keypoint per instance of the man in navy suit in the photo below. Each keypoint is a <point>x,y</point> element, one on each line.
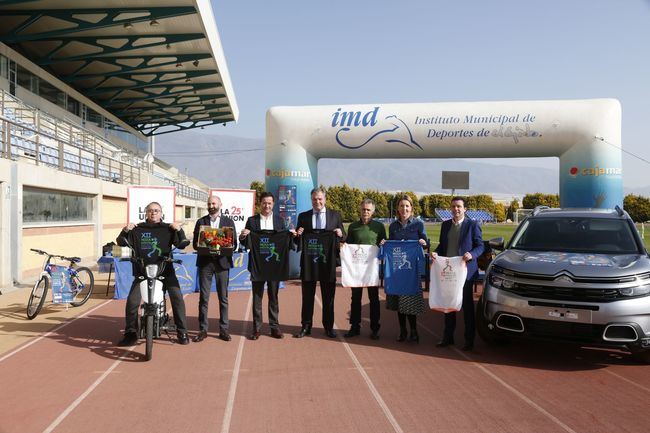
<point>319,218</point>
<point>213,266</point>
<point>461,236</point>
<point>265,220</point>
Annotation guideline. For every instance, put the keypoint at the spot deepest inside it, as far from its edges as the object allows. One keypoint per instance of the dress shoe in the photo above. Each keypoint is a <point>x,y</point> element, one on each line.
<point>223,335</point>
<point>402,335</point>
<point>445,342</point>
<point>202,335</point>
<point>330,333</point>
<point>183,338</point>
<point>414,337</point>
<point>255,335</point>
<point>353,332</point>
<point>275,333</point>
<point>305,330</point>
<point>374,335</point>
<point>468,347</point>
<point>129,339</point>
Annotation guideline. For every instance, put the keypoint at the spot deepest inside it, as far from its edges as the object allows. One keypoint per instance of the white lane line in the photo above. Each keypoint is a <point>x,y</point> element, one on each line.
<point>371,386</point>
<point>63,325</point>
<point>506,385</point>
<point>92,387</point>
<point>230,402</point>
<point>625,379</point>
<point>85,394</point>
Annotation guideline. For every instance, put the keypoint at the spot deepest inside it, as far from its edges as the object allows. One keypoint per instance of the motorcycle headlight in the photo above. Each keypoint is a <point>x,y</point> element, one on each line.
<point>635,291</point>
<point>151,271</point>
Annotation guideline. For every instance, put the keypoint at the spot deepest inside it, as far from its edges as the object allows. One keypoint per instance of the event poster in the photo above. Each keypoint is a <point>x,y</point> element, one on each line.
<point>61,290</point>
<point>287,205</point>
<point>237,204</point>
<point>138,197</point>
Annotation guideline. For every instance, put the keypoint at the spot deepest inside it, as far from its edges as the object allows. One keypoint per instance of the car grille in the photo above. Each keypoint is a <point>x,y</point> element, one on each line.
<point>565,293</point>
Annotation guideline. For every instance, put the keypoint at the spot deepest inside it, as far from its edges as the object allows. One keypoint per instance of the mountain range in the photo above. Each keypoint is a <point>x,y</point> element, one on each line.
<point>234,162</point>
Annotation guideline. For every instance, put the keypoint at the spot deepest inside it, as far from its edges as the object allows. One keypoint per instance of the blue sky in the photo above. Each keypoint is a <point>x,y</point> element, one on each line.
<point>348,52</point>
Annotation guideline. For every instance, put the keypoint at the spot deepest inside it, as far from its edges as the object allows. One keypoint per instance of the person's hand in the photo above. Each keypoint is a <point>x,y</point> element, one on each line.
<point>382,242</point>
<point>467,257</point>
<point>129,227</point>
<point>338,232</point>
<point>175,226</point>
<point>299,231</point>
<point>293,233</point>
<point>434,256</point>
<point>244,233</point>
<point>422,242</point>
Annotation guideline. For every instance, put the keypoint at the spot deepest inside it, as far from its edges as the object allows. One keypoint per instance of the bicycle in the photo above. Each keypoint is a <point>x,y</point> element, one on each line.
<point>81,282</point>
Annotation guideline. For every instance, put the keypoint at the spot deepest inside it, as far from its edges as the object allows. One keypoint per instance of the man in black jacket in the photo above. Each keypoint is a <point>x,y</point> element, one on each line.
<point>266,220</point>
<point>318,218</point>
<point>213,265</point>
<point>151,239</point>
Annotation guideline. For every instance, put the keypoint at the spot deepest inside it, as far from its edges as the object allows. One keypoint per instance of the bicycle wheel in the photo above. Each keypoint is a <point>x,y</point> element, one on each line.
<point>84,282</point>
<point>37,298</point>
<point>149,336</point>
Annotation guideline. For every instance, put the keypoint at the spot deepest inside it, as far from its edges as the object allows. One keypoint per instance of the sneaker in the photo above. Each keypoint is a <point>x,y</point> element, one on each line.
<point>129,339</point>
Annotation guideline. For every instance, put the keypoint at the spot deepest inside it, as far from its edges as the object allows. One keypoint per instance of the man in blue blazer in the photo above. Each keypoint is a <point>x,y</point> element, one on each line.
<point>461,236</point>
<point>213,266</point>
<point>265,220</point>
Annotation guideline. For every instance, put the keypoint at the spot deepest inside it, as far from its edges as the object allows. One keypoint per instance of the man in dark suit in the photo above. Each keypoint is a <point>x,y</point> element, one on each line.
<point>319,218</point>
<point>212,265</point>
<point>265,220</point>
<point>461,236</point>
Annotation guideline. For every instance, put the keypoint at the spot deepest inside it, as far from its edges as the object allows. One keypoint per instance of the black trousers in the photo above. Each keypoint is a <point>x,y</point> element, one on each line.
<point>133,302</point>
<point>206,273</point>
<point>355,307</point>
<point>258,294</point>
<point>327,290</point>
<point>468,316</point>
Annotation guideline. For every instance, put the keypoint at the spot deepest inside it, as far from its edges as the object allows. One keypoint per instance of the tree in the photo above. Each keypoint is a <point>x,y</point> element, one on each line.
<point>512,209</point>
<point>638,207</point>
<point>531,201</point>
<point>500,212</point>
<point>259,188</point>
<point>346,200</point>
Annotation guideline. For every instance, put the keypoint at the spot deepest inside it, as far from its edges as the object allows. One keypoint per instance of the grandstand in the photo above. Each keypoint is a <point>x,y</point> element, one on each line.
<point>482,216</point>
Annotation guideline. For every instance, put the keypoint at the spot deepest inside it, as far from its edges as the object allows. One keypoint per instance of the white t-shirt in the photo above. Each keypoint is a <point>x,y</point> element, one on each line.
<point>359,265</point>
<point>448,275</point>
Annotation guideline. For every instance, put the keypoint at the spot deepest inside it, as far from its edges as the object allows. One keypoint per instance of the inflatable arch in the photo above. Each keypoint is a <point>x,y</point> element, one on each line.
<point>584,134</point>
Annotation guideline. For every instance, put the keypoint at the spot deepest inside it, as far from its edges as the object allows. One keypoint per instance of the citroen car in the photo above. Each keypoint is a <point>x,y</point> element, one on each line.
<point>580,275</point>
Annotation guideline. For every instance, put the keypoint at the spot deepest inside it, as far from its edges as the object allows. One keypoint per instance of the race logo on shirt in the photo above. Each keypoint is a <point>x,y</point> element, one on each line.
<point>359,256</point>
<point>315,251</point>
<point>149,245</point>
<point>447,273</point>
<point>268,250</point>
<point>400,259</point>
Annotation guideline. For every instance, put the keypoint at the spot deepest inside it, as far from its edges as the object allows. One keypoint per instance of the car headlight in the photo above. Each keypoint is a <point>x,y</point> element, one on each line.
<point>499,281</point>
<point>151,271</point>
<point>635,291</point>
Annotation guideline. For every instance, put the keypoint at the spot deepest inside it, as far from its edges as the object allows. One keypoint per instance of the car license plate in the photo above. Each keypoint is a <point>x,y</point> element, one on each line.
<point>564,314</point>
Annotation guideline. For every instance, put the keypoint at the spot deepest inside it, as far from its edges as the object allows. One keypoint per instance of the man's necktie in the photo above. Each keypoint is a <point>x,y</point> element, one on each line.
<point>318,223</point>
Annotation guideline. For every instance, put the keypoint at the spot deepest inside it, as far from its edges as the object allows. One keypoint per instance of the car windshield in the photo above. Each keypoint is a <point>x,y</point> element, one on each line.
<point>568,234</point>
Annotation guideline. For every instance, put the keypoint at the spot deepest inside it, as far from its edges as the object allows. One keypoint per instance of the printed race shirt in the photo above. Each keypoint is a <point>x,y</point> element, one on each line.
<point>318,258</point>
<point>359,265</point>
<point>268,257</point>
<point>448,276</point>
<point>402,263</point>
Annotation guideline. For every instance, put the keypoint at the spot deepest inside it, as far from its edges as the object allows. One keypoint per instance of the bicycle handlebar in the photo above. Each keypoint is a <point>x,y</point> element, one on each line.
<point>44,253</point>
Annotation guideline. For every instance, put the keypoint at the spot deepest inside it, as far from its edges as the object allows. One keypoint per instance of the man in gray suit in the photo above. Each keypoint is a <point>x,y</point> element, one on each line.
<point>212,265</point>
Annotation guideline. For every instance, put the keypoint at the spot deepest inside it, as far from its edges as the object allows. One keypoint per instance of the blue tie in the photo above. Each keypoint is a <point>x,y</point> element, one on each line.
<point>317,214</point>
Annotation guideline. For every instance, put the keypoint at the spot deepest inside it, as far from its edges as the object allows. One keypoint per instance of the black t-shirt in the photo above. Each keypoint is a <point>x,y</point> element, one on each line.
<point>318,259</point>
<point>268,256</point>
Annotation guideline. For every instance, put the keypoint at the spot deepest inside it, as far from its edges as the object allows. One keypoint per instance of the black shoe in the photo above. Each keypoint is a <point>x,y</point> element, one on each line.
<point>305,330</point>
<point>275,333</point>
<point>414,337</point>
<point>402,335</point>
<point>223,335</point>
<point>330,333</point>
<point>129,339</point>
<point>445,342</point>
<point>353,332</point>
<point>468,347</point>
<point>183,338</point>
<point>255,335</point>
<point>374,335</point>
<point>202,335</point>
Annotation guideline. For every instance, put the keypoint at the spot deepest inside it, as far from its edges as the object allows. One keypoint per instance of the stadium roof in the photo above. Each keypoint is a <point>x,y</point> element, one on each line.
<point>156,65</point>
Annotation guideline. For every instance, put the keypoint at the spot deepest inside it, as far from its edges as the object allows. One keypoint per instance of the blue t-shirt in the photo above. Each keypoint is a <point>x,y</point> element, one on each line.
<point>402,262</point>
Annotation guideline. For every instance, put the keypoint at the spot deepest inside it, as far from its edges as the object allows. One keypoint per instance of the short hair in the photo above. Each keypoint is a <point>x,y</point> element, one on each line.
<point>153,202</point>
<point>367,201</point>
<point>459,198</point>
<point>266,194</point>
<point>318,190</point>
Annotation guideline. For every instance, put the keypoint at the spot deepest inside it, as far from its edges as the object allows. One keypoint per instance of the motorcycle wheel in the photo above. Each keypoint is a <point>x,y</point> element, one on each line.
<point>149,337</point>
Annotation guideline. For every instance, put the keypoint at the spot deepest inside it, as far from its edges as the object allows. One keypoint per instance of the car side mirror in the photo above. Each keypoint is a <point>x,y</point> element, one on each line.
<point>497,243</point>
